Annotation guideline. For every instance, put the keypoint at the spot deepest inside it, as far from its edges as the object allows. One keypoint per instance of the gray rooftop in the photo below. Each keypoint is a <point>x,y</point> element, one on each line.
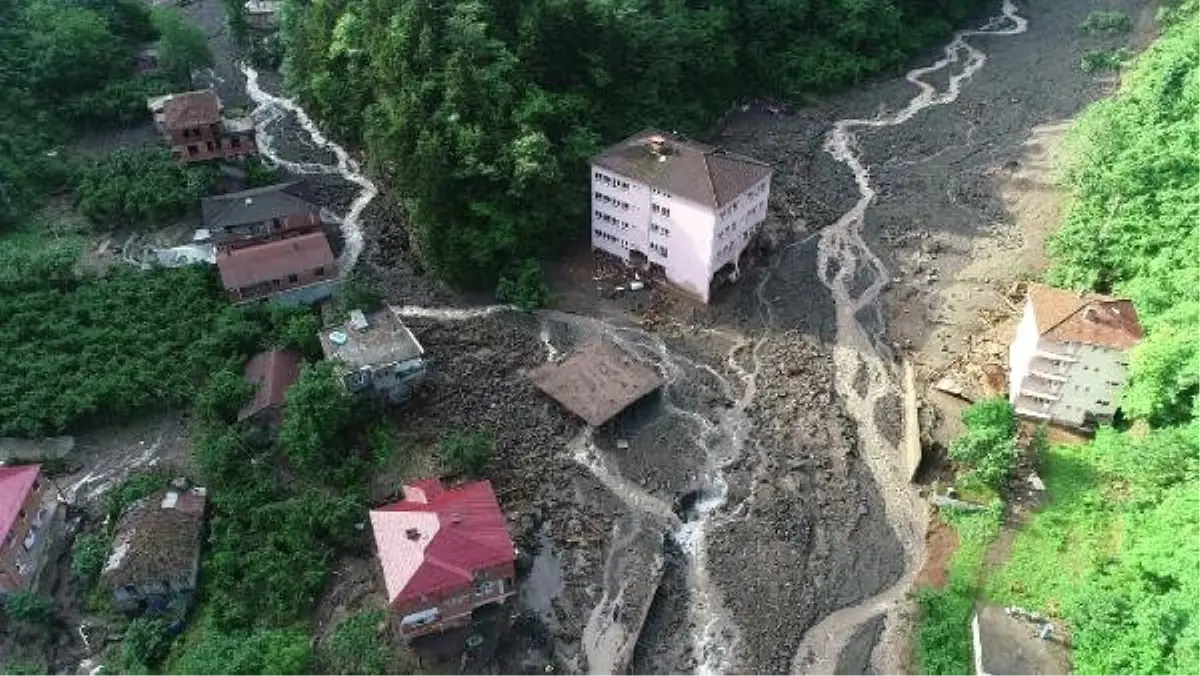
<point>386,340</point>
<point>252,206</point>
<point>694,171</point>
<point>597,381</point>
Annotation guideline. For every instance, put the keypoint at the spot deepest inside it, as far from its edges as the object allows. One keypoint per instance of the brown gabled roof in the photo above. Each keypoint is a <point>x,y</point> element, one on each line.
<point>597,381</point>
<point>693,171</point>
<point>274,260</point>
<point>191,109</point>
<point>1087,318</point>
<point>158,538</point>
<point>270,374</point>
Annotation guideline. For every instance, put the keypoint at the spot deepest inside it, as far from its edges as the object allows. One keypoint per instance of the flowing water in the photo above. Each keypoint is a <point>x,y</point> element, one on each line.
<point>723,435</point>
<point>270,108</point>
<point>841,254</point>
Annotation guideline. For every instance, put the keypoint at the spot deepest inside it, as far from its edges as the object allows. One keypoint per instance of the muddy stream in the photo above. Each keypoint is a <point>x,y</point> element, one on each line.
<point>716,437</point>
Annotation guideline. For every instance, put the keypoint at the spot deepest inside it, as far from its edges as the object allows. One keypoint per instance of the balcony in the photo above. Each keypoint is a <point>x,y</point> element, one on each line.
<point>1046,375</point>
<point>1055,356</point>
<point>1041,396</point>
<point>1030,413</point>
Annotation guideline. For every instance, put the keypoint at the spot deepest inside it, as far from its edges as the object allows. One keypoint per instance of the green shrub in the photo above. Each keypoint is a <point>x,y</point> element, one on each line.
<point>144,188</point>
<point>356,646</point>
<point>524,287</point>
<point>944,633</point>
<point>1102,60</point>
<point>146,643</point>
<point>467,453</point>
<point>988,448</point>
<point>1106,22</point>
<point>24,667</point>
<point>258,174</point>
<point>29,608</point>
<point>278,651</point>
<point>133,488</point>
<point>87,560</point>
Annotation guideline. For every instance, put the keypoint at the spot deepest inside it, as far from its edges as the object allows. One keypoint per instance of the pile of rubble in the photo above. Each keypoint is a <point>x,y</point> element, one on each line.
<point>981,371</point>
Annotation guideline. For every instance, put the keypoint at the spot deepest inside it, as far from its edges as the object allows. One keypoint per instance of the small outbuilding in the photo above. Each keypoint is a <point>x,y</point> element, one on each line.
<point>270,374</point>
<point>597,381</point>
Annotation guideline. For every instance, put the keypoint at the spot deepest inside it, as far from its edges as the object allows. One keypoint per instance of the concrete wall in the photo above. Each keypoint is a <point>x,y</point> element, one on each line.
<point>454,605</point>
<point>1020,353</point>
<point>629,217</point>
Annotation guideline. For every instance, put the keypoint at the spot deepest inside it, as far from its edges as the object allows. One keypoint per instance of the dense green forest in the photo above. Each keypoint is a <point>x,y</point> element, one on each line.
<point>1114,553</point>
<point>480,113</point>
<point>66,68</point>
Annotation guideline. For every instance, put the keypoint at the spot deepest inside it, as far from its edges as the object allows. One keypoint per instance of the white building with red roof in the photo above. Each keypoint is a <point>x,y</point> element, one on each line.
<point>444,553</point>
<point>1069,358</point>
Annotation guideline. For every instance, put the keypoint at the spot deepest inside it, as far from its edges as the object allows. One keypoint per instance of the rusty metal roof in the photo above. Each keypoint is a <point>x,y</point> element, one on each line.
<point>1086,318</point>
<point>158,538</point>
<point>597,381</point>
<point>191,109</point>
<point>694,171</point>
<point>274,260</point>
<point>270,374</point>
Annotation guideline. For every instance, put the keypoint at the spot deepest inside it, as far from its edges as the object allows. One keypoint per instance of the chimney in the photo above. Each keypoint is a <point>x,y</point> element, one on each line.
<point>658,145</point>
<point>412,534</point>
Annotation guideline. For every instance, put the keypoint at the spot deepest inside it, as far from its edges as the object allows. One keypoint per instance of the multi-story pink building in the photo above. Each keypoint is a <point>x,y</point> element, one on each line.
<point>679,208</point>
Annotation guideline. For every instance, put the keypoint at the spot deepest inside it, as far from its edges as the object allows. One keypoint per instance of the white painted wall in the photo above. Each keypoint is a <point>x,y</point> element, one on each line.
<point>681,235</point>
<point>1020,353</point>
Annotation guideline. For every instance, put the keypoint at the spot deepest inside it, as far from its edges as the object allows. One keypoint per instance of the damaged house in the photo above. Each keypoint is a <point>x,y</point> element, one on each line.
<point>1070,356</point>
<point>376,354</point>
<point>444,553</point>
<point>195,128</point>
<point>677,208</point>
<point>155,558</point>
<point>596,381</point>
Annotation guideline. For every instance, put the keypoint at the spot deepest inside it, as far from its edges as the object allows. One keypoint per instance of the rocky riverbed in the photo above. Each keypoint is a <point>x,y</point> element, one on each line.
<point>753,510</point>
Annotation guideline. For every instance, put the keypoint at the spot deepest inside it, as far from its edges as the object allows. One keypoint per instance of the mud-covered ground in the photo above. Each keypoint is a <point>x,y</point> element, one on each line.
<point>735,508</point>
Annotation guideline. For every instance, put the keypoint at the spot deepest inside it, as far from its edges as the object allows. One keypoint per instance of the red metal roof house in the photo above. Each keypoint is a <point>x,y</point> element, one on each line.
<point>444,553</point>
<point>22,516</point>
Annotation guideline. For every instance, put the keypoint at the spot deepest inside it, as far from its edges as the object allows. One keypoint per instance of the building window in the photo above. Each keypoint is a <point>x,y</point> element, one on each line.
<point>235,143</point>
<point>292,279</point>
<point>192,150</point>
<point>658,249</point>
<point>209,145</point>
<point>319,271</point>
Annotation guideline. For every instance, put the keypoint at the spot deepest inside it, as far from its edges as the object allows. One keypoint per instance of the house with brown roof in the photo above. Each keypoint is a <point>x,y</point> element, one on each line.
<point>270,374</point>
<point>1069,358</point>
<point>444,554</point>
<point>155,558</point>
<point>195,128</point>
<point>680,209</point>
<point>259,214</point>
<point>290,271</point>
<point>596,381</point>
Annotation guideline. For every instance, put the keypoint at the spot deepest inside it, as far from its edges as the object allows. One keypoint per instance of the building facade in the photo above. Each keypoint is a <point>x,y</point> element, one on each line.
<point>376,354</point>
<point>1069,358</point>
<point>193,126</point>
<point>678,208</point>
<point>257,215</point>
<point>24,516</point>
<point>444,553</point>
